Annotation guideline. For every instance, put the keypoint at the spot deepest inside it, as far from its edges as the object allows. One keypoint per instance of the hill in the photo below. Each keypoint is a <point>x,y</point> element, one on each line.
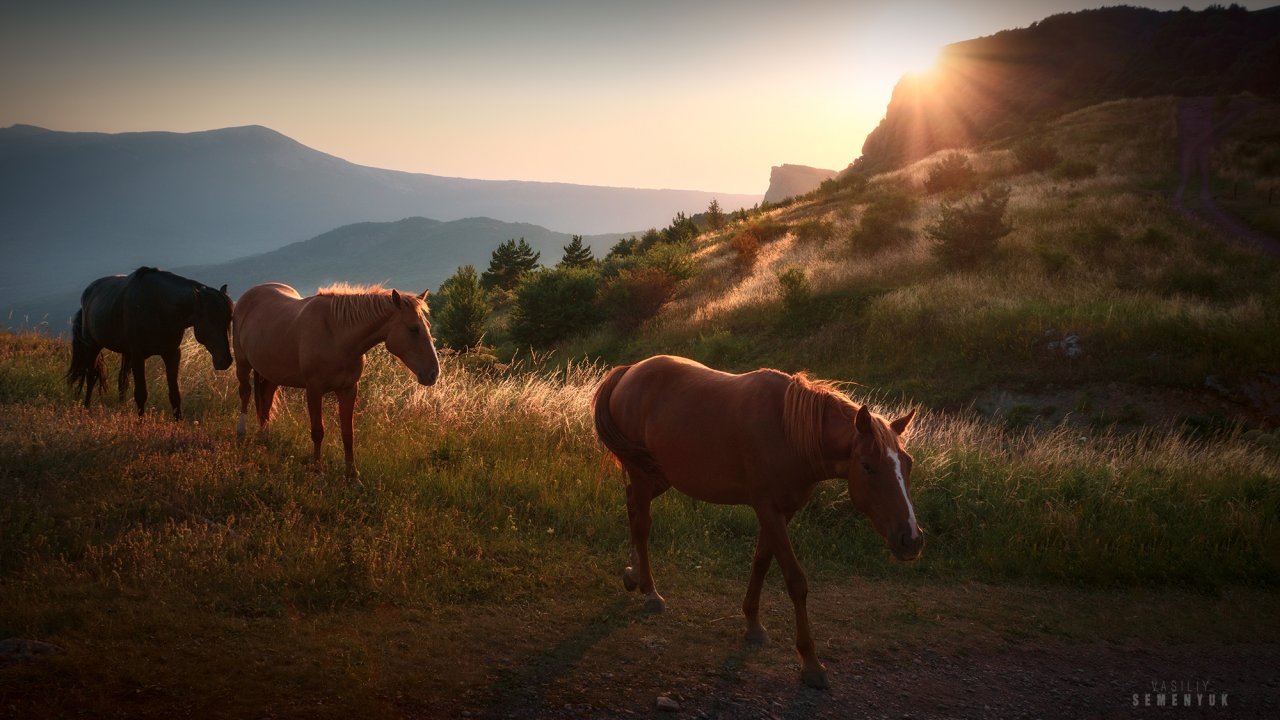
<point>790,180</point>
<point>993,87</point>
<point>76,206</point>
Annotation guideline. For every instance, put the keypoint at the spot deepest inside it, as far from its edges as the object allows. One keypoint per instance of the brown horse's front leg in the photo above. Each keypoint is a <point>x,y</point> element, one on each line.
<point>172,360</point>
<point>315,405</point>
<point>346,416</point>
<point>751,604</point>
<point>773,525</point>
<point>243,377</point>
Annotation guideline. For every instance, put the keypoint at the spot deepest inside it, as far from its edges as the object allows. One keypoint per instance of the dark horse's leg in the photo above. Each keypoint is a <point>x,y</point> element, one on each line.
<point>138,364</point>
<point>172,360</point>
<point>96,374</point>
<point>315,403</point>
<point>641,491</point>
<point>751,604</point>
<point>773,527</point>
<point>122,377</point>
<point>346,417</point>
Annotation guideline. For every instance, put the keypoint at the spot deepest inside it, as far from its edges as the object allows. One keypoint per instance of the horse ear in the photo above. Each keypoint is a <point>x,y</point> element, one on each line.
<point>901,424</point>
<point>424,294</point>
<point>395,297</point>
<point>223,289</point>
<point>863,421</point>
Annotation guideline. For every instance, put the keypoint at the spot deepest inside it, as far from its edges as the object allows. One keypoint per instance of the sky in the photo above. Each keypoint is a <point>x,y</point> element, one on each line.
<point>650,93</point>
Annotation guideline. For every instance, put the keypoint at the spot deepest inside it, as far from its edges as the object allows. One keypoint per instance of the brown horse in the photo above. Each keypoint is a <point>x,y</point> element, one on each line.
<point>319,342</point>
<point>763,439</point>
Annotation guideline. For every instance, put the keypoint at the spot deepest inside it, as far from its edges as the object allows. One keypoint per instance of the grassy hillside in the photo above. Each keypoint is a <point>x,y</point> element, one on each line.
<point>1096,251</point>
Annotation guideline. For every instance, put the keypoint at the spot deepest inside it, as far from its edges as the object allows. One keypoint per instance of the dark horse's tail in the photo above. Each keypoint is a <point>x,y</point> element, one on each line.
<point>625,449</point>
<point>264,397</point>
<point>86,365</point>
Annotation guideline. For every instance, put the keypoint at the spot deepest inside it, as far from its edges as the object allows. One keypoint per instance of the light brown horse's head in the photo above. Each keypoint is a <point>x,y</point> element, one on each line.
<point>880,481</point>
<point>409,337</point>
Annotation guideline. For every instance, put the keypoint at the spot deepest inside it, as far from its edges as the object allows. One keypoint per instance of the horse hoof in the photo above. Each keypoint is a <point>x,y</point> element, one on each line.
<point>627,582</point>
<point>655,606</point>
<point>757,635</point>
<point>815,678</point>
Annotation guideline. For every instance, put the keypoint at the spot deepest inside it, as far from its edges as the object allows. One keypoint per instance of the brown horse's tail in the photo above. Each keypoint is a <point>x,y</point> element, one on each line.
<point>264,397</point>
<point>625,449</point>
<point>85,363</point>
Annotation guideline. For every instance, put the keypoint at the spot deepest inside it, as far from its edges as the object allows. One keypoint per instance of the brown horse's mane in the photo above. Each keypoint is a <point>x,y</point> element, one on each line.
<point>804,409</point>
<point>354,304</point>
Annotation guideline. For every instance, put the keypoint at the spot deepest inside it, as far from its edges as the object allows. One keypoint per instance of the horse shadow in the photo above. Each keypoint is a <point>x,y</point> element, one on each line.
<point>799,702</point>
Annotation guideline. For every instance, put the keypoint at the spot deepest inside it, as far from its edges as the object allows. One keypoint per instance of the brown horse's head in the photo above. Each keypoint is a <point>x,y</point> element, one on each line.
<point>880,481</point>
<point>409,337</point>
<point>212,324</point>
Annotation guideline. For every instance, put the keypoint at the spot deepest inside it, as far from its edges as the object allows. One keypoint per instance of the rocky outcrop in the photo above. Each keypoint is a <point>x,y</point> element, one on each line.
<point>791,180</point>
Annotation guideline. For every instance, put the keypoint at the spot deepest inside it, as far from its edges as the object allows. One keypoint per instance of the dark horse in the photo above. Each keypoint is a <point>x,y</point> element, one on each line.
<point>143,314</point>
<point>763,439</point>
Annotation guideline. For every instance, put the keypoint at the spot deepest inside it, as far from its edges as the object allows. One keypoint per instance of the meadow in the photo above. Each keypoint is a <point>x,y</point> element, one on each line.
<point>179,567</point>
<point>475,565</point>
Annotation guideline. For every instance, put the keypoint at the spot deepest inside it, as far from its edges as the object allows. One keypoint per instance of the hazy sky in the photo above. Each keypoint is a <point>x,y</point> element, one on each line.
<point>640,93</point>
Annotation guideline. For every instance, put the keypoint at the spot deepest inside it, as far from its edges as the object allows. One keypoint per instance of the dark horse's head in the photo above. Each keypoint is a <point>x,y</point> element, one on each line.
<point>213,324</point>
<point>880,481</point>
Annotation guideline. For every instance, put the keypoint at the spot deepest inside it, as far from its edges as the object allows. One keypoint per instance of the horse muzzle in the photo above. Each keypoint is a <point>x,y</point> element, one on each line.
<point>907,548</point>
<point>429,377</point>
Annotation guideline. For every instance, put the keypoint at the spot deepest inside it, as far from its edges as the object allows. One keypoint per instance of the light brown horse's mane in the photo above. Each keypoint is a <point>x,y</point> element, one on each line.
<point>353,304</point>
<point>804,410</point>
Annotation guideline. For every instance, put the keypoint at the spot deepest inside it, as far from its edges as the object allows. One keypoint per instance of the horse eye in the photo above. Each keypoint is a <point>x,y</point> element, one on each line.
<point>414,329</point>
<point>866,467</point>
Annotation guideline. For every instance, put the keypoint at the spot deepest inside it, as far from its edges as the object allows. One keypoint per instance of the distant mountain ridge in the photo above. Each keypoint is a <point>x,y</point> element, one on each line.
<point>410,254</point>
<point>992,87</point>
<point>75,206</point>
<point>788,180</point>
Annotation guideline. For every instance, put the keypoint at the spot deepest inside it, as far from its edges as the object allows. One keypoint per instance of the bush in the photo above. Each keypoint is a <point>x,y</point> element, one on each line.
<point>1075,170</point>
<point>793,286</point>
<point>815,230</point>
<point>746,247</point>
<point>969,232</point>
<point>552,305</point>
<point>768,229</point>
<point>883,223</point>
<point>954,173</point>
<point>461,310</point>
<point>1035,155</point>
<point>635,295</point>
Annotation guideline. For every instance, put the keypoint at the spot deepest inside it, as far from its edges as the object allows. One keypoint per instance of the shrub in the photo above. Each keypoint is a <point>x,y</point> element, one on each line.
<point>793,286</point>
<point>551,305</point>
<point>954,173</point>
<point>883,222</point>
<point>969,232</point>
<point>675,261</point>
<point>768,229</point>
<point>1075,170</point>
<point>509,262</point>
<point>461,310</point>
<point>1035,155</point>
<point>815,230</point>
<point>635,295</point>
<point>746,247</point>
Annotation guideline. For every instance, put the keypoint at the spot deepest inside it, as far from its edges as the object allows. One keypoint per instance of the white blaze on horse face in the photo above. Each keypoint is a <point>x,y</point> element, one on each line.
<point>902,485</point>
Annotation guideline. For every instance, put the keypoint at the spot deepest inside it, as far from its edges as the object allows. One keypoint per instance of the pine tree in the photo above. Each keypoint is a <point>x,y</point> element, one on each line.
<point>715,216</point>
<point>577,254</point>
<point>508,264</point>
<point>462,310</point>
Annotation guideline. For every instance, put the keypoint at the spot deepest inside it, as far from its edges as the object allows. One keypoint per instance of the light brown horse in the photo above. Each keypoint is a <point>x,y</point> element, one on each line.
<point>319,342</point>
<point>763,439</point>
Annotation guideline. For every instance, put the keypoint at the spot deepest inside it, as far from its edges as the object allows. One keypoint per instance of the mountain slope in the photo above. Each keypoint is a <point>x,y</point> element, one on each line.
<point>75,206</point>
<point>991,87</point>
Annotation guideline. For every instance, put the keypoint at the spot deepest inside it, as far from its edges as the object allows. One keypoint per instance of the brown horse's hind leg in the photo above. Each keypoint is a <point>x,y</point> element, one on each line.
<point>640,492</point>
<point>773,526</point>
<point>315,403</point>
<point>751,604</point>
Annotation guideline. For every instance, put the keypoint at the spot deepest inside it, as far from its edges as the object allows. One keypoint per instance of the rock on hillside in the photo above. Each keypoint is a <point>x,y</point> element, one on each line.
<point>790,180</point>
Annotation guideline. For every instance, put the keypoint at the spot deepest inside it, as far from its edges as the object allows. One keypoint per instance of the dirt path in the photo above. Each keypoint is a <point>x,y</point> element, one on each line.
<point>1197,132</point>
